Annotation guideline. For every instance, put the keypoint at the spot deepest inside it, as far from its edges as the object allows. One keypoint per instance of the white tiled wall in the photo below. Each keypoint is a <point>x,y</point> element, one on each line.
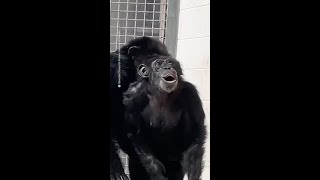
<point>193,51</point>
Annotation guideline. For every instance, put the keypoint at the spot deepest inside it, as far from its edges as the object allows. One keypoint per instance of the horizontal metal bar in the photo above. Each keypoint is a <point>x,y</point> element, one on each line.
<point>131,35</point>
<point>162,12</point>
<point>138,3</point>
<point>137,27</point>
<point>156,37</point>
<point>141,36</point>
<point>138,20</point>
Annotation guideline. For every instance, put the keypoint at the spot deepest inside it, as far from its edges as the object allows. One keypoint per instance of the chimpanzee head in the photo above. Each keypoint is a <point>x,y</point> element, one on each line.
<point>141,48</point>
<point>144,46</point>
<point>162,71</point>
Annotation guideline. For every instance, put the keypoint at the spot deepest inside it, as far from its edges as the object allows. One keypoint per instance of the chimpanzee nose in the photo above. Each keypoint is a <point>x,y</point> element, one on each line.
<point>167,67</point>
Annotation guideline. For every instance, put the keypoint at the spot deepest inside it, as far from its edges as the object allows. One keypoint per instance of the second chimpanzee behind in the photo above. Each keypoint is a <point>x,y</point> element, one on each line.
<point>165,118</point>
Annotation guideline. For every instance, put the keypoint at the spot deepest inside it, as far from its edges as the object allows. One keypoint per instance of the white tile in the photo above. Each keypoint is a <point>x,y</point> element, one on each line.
<point>201,79</point>
<point>206,85</point>
<point>206,156</point>
<point>196,78</point>
<point>195,22</point>
<point>185,4</point>
<point>194,53</point>
<point>206,173</point>
<point>179,27</point>
<point>206,108</point>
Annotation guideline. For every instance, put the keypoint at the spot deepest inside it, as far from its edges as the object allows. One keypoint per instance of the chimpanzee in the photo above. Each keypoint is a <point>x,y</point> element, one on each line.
<point>139,47</point>
<point>165,122</point>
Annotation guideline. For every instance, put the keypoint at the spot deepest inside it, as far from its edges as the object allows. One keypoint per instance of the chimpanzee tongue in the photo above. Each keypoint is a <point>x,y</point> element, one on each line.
<point>169,78</point>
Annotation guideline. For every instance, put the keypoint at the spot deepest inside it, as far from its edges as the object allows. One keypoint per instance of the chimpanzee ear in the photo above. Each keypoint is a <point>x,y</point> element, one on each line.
<point>143,71</point>
<point>134,50</point>
<point>130,50</point>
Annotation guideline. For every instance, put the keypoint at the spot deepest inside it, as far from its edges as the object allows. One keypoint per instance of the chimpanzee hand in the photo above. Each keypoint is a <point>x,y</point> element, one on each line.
<point>154,167</point>
<point>117,174</point>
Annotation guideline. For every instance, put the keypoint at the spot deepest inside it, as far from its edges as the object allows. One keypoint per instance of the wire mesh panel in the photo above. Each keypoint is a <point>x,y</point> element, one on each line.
<point>135,18</point>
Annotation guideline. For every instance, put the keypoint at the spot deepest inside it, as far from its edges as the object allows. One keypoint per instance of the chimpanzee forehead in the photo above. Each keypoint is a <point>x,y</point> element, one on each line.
<point>153,58</point>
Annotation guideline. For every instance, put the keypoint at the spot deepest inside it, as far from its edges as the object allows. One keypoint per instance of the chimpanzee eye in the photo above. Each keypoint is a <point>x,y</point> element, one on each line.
<point>169,61</point>
<point>158,62</point>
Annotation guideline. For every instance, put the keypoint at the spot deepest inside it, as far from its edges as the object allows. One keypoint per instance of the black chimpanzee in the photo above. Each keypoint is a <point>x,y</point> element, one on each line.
<point>165,118</point>
<point>139,47</point>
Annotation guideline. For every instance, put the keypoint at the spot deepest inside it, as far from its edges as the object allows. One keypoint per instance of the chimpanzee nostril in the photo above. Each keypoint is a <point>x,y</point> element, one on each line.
<point>167,68</point>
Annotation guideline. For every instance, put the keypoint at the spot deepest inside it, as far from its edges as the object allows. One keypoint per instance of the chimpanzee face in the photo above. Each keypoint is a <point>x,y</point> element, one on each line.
<point>162,71</point>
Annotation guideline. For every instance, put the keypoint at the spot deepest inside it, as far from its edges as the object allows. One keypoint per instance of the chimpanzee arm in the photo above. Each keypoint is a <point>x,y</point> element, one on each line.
<point>135,100</point>
<point>192,162</point>
<point>153,166</point>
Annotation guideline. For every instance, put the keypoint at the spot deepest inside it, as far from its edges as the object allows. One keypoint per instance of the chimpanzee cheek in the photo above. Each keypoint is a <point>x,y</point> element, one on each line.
<point>152,77</point>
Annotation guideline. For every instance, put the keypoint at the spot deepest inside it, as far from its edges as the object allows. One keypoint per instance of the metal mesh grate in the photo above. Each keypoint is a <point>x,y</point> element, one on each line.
<point>135,18</point>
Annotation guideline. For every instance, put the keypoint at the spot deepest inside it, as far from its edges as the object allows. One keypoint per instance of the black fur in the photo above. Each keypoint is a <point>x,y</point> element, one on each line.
<point>133,50</point>
<point>166,129</point>
<point>116,108</point>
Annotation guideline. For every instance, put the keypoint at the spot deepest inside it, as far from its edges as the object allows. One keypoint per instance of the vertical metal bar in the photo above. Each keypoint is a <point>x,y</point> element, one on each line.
<point>118,24</point>
<point>126,28</point>
<point>153,12</point>
<point>110,16</point>
<point>172,26</point>
<point>119,62</point>
<point>144,16</point>
<point>162,18</point>
<point>135,21</point>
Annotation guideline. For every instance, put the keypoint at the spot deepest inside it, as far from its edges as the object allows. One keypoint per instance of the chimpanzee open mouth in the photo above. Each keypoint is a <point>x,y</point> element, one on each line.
<point>169,78</point>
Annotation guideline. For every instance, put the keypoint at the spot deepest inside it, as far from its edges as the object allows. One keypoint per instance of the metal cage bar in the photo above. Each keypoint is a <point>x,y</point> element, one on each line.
<point>136,18</point>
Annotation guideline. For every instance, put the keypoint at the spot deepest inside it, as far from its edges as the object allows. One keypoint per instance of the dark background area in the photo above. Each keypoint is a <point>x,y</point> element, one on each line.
<point>54,90</point>
<point>262,90</point>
